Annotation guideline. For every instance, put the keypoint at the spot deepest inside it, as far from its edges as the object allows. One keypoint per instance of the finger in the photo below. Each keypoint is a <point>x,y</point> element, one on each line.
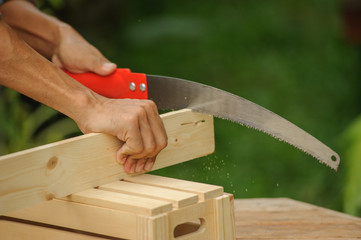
<point>129,165</point>
<point>105,68</point>
<point>133,142</point>
<point>156,126</point>
<point>102,66</point>
<point>124,161</point>
<point>57,61</point>
<point>147,136</point>
<point>149,164</point>
<point>140,165</point>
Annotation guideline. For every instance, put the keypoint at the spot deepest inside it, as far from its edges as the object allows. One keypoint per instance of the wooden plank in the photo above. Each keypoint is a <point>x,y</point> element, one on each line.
<point>121,202</point>
<point>59,169</point>
<point>177,198</point>
<point>204,191</point>
<point>223,208</point>
<point>283,218</point>
<point>83,217</point>
<point>20,231</point>
<point>152,228</point>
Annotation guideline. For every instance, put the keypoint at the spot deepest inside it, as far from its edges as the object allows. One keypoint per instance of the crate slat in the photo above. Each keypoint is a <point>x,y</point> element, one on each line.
<point>177,198</point>
<point>122,202</point>
<point>204,191</point>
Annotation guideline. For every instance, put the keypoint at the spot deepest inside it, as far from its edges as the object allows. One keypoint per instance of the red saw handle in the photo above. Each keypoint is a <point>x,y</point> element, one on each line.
<point>120,84</point>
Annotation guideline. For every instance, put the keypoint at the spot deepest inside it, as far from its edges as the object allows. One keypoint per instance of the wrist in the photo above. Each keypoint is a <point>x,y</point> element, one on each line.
<point>61,33</point>
<point>87,105</point>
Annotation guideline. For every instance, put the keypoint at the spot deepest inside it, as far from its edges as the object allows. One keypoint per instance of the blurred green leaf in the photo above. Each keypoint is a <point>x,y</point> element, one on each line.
<point>352,159</point>
<point>23,126</point>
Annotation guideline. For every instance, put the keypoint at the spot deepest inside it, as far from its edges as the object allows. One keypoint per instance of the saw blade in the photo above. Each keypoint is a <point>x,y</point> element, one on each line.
<point>173,93</point>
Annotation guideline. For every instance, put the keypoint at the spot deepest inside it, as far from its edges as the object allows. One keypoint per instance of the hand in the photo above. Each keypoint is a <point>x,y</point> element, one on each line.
<point>76,55</point>
<point>136,123</point>
<point>54,39</point>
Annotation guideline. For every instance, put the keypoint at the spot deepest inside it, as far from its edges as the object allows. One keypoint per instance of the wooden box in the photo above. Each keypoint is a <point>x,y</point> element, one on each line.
<point>34,183</point>
<point>140,207</point>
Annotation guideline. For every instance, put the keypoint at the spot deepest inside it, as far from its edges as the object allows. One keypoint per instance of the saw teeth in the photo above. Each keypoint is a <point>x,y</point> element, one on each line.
<point>334,167</point>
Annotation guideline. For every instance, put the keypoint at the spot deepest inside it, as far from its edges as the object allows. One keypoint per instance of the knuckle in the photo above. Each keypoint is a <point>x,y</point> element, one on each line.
<point>140,112</point>
<point>163,142</point>
<point>149,104</point>
<point>136,114</point>
<point>150,148</point>
<point>132,149</point>
<point>139,148</point>
<point>132,119</point>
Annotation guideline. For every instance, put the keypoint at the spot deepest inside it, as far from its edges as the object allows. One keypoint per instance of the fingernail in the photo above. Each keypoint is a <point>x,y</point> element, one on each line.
<point>149,166</point>
<point>132,169</point>
<point>108,66</point>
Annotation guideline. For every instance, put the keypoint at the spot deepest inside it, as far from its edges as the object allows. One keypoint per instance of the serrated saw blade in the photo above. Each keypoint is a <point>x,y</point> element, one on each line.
<point>173,93</point>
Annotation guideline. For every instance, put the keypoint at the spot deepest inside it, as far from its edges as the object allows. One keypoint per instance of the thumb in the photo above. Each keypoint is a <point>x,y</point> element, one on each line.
<point>121,157</point>
<point>103,67</point>
<point>126,161</point>
<point>55,59</point>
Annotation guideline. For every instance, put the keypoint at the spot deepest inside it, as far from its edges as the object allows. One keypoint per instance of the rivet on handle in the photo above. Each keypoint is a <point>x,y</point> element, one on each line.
<point>132,86</point>
<point>142,87</point>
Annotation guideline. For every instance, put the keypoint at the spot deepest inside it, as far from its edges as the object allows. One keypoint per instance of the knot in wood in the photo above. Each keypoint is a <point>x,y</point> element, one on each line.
<point>49,196</point>
<point>53,161</point>
<point>175,140</point>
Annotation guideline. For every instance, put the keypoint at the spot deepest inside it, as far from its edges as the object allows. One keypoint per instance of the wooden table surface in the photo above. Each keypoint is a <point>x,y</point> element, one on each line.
<point>283,218</point>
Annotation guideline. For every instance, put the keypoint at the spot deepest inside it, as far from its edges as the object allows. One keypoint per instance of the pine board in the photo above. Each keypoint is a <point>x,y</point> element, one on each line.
<point>58,169</point>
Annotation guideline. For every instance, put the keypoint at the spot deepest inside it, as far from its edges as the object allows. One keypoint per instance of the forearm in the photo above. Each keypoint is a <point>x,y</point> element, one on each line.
<point>39,30</point>
<point>42,46</point>
<point>54,39</point>
<point>24,70</point>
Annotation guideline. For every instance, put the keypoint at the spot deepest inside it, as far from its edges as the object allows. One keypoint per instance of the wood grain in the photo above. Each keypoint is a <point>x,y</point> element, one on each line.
<point>121,202</point>
<point>20,231</point>
<point>138,215</point>
<point>204,191</point>
<point>177,198</point>
<point>260,218</point>
<point>62,168</point>
<point>283,218</point>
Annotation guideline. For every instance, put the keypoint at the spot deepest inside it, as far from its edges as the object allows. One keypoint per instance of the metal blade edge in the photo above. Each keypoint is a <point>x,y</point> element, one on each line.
<point>174,93</point>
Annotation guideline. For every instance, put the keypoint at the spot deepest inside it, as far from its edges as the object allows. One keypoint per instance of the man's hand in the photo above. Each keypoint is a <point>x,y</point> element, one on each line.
<point>134,122</point>
<point>54,39</point>
<point>76,55</point>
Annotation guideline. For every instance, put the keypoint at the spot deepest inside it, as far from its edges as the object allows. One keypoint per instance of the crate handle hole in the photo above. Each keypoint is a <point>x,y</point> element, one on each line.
<point>190,227</point>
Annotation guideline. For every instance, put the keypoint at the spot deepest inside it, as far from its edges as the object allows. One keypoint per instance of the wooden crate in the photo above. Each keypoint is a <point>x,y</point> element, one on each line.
<point>34,183</point>
<point>138,207</point>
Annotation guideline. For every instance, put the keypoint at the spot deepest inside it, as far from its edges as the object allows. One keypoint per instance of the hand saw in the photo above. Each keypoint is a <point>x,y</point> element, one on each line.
<point>59,169</point>
<point>173,93</point>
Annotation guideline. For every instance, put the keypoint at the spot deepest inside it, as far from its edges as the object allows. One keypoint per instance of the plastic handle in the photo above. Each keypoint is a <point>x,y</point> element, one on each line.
<point>120,84</point>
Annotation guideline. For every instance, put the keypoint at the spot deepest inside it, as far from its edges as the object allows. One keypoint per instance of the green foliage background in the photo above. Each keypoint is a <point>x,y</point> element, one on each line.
<point>286,55</point>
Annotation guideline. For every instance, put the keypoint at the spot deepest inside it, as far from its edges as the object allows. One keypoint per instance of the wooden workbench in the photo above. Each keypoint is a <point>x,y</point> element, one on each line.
<point>283,218</point>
